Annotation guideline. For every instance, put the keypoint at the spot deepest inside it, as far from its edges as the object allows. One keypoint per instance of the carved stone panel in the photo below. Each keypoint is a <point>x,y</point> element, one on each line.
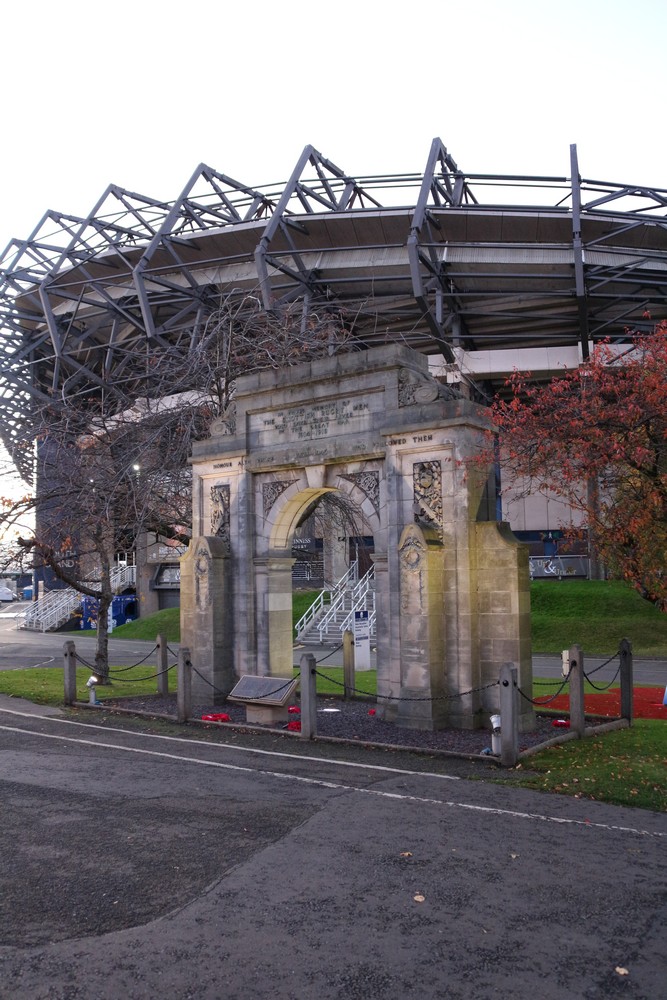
<point>412,555</point>
<point>369,484</point>
<point>220,504</point>
<point>427,485</point>
<point>225,424</point>
<point>202,579</point>
<point>271,492</point>
<point>413,390</point>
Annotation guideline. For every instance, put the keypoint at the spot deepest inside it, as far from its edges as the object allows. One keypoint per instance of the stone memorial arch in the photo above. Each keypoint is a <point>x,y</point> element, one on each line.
<point>452,585</point>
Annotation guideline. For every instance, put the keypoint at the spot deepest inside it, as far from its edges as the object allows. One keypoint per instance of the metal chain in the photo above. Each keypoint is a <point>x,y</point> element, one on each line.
<point>85,663</point>
<point>587,676</point>
<point>330,654</point>
<point>389,697</point>
<point>533,701</point>
<point>138,680</point>
<point>120,670</point>
<point>606,663</point>
<point>225,693</point>
<point>216,690</point>
<point>603,687</point>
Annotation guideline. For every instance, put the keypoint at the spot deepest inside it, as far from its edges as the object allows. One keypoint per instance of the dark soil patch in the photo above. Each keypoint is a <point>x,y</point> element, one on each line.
<point>352,721</point>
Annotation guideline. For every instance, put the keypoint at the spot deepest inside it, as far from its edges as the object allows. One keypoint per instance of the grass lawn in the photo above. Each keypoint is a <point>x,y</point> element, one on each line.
<point>626,767</point>
<point>167,623</point>
<point>45,685</point>
<point>596,614</point>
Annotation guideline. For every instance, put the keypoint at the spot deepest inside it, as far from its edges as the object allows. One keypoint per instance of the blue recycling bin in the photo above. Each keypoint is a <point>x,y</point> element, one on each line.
<point>89,608</point>
<point>123,609</point>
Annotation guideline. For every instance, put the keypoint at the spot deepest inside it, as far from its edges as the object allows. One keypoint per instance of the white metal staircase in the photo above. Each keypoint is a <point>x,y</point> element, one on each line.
<point>55,607</point>
<point>332,612</point>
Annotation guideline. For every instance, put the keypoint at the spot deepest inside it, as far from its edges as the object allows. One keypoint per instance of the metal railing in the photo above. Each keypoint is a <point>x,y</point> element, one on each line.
<point>56,606</point>
<point>317,607</point>
<point>341,612</point>
<point>363,599</point>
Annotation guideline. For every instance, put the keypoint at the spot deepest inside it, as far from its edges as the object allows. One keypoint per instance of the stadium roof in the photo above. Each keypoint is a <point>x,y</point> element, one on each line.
<point>455,264</point>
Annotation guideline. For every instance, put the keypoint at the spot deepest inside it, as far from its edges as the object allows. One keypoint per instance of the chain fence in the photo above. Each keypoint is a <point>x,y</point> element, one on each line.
<point>587,676</point>
<point>117,671</point>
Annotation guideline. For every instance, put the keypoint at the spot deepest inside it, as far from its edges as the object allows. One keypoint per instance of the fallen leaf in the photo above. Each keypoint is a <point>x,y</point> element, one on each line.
<point>419,898</point>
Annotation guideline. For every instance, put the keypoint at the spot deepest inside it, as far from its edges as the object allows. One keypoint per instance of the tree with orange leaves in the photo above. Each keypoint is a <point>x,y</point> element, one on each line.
<point>596,437</point>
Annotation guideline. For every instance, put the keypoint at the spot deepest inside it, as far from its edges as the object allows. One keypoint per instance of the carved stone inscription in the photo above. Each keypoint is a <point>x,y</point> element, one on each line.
<point>317,420</point>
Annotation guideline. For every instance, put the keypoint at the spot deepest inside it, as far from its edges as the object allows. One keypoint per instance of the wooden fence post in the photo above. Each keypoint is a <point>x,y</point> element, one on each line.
<point>627,684</point>
<point>69,671</point>
<point>162,675</point>
<point>348,664</point>
<point>308,684</point>
<point>577,720</point>
<point>184,689</point>
<point>509,715</point>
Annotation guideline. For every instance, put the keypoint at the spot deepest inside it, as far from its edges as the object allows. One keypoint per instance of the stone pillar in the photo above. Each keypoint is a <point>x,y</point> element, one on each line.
<point>388,681</point>
<point>278,619</point>
<point>207,617</point>
<point>421,625</point>
<point>462,489</point>
<point>503,614</point>
<point>259,664</point>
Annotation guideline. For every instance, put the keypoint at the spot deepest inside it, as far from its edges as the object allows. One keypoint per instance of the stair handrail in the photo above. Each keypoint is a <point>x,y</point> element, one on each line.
<point>55,606</point>
<point>318,604</point>
<point>340,602</point>
<point>50,610</point>
<point>347,625</point>
<point>311,612</point>
<point>363,599</point>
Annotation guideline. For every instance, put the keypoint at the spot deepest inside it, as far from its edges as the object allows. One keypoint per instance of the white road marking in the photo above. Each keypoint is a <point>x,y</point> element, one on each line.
<point>336,786</point>
<point>229,746</point>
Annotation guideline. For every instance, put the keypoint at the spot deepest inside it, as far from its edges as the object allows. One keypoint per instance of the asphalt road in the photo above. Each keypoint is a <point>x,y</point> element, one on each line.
<point>34,649</point>
<point>140,867</point>
<point>20,648</point>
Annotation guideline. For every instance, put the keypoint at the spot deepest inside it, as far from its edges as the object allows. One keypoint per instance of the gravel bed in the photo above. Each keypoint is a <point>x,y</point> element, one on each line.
<point>354,721</point>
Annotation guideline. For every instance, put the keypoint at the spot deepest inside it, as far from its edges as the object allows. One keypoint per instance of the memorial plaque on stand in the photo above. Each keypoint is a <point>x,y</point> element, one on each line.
<point>265,698</point>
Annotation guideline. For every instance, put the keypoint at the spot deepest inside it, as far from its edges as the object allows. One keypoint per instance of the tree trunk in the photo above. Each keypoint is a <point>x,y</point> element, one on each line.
<point>105,604</point>
<point>595,565</point>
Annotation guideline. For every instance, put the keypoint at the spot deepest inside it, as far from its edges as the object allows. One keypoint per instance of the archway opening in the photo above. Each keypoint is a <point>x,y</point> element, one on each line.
<point>328,543</point>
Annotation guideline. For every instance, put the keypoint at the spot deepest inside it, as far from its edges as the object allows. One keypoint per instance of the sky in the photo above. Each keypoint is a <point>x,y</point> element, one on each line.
<point>138,92</point>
